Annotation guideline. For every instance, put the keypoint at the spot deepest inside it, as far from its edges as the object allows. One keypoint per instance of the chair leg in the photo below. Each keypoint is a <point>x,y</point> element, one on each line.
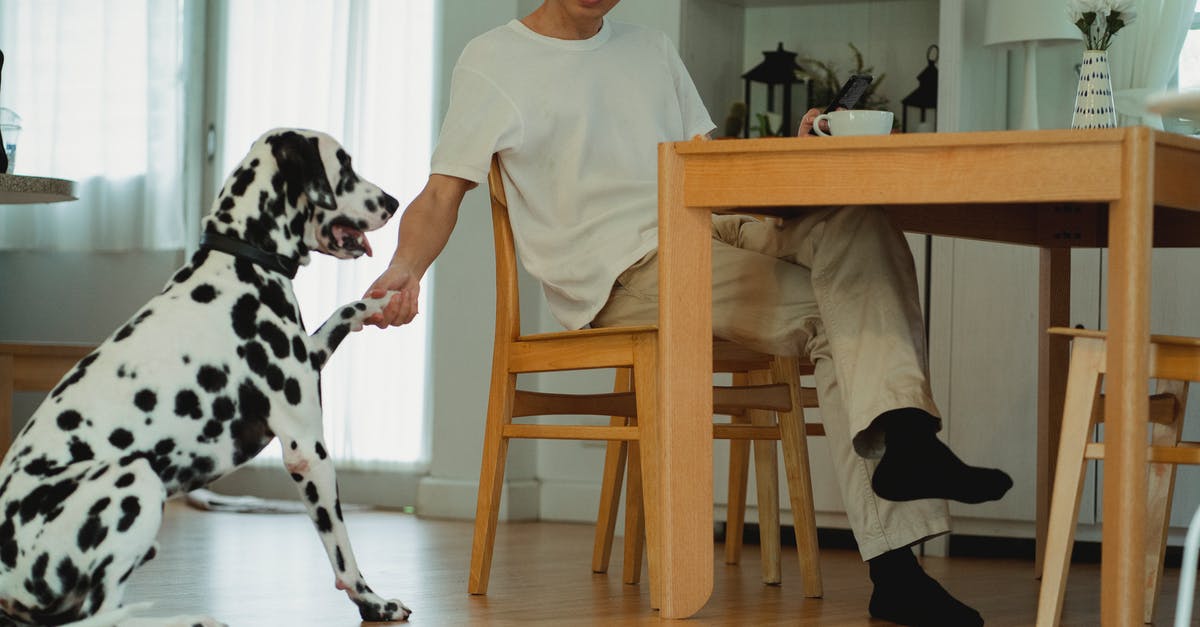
<point>635,520</point>
<point>491,480</point>
<point>799,477</point>
<point>610,486</point>
<point>766,479</point>
<point>1082,394</point>
<point>739,471</point>
<point>645,382</point>
<point>1161,489</point>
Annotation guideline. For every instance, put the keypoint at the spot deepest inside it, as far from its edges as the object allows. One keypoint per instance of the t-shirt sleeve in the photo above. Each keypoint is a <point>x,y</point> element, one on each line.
<point>480,120</point>
<point>696,120</point>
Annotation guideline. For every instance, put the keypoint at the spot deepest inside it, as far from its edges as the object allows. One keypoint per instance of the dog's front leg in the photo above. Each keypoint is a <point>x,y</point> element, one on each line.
<point>311,468</point>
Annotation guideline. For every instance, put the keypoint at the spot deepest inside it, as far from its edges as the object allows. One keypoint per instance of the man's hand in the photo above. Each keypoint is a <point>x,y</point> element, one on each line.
<point>806,122</point>
<point>403,306</point>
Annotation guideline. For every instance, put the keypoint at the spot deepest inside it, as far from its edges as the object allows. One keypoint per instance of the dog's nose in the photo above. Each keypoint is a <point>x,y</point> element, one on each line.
<point>389,203</point>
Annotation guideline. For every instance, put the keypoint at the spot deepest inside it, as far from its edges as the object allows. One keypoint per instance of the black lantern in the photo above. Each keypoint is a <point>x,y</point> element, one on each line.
<point>778,67</point>
<point>924,97</point>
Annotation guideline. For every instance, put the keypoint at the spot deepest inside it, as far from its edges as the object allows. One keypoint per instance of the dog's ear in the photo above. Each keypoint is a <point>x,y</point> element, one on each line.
<point>301,169</point>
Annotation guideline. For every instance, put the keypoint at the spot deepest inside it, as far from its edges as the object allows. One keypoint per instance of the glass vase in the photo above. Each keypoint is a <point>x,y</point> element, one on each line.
<point>1094,99</point>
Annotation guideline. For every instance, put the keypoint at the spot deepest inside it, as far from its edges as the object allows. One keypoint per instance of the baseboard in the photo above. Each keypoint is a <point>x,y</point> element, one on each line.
<point>383,489</point>
<point>455,499</point>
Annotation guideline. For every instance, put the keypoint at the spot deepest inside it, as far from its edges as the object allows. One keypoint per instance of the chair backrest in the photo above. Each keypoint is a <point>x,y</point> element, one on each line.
<point>508,302</point>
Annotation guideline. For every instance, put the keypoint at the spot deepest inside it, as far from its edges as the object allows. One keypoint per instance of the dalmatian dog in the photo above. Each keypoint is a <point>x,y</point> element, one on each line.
<point>196,383</point>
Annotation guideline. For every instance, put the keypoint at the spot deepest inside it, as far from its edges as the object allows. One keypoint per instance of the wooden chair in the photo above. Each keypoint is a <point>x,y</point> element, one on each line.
<point>633,351</point>
<point>748,368</point>
<point>1173,362</point>
<point>31,367</point>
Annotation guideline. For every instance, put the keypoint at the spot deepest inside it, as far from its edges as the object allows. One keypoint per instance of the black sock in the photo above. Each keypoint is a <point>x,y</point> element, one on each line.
<point>906,595</point>
<point>917,465</point>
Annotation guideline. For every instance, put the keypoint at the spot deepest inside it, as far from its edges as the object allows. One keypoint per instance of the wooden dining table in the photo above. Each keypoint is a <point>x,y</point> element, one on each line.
<point>1127,189</point>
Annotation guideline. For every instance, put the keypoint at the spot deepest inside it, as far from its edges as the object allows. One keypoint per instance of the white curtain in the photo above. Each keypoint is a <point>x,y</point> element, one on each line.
<point>1145,55</point>
<point>362,71</point>
<point>101,86</point>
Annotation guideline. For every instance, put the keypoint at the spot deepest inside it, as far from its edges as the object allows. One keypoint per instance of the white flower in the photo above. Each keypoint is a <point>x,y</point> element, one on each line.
<point>1099,20</point>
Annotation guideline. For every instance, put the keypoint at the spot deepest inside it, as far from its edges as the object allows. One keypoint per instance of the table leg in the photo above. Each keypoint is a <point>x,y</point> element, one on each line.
<point>1130,226</point>
<point>683,426</point>
<point>1054,310</point>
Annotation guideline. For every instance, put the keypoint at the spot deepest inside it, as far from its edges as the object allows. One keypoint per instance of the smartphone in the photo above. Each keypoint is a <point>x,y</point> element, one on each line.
<point>849,95</point>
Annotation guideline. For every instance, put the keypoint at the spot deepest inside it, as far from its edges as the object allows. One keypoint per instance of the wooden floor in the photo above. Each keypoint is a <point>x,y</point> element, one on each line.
<point>264,570</point>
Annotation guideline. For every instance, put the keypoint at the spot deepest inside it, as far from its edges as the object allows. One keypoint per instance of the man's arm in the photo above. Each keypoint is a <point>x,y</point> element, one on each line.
<point>425,228</point>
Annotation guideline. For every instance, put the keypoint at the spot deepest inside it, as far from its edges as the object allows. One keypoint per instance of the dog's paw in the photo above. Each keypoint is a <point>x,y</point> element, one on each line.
<point>365,308</point>
<point>374,608</point>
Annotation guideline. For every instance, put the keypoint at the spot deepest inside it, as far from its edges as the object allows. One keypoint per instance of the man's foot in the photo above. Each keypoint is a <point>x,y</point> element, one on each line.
<point>906,595</point>
<point>917,465</point>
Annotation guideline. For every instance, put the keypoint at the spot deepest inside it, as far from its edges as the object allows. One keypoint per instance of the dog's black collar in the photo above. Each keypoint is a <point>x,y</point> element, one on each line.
<point>251,253</point>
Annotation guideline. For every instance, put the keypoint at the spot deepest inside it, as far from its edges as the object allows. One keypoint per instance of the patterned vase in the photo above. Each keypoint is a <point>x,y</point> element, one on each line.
<point>1094,98</point>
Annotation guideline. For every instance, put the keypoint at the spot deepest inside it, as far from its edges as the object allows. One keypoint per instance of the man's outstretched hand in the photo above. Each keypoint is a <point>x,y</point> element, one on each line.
<point>403,306</point>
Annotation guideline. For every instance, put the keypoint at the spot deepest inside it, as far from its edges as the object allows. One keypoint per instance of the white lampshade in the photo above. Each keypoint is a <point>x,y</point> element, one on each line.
<point>1018,21</point>
<point>1028,23</point>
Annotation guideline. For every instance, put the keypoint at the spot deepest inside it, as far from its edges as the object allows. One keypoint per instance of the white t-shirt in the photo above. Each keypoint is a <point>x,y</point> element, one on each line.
<point>577,125</point>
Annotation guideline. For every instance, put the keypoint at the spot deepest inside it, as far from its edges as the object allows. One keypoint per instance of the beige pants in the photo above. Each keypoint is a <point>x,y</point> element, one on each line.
<point>838,285</point>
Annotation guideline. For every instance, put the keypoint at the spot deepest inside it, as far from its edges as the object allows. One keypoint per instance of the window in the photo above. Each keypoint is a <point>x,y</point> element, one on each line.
<point>363,72</point>
<point>1189,76</point>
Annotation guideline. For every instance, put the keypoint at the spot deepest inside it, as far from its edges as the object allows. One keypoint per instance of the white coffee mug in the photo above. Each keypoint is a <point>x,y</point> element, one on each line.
<point>855,122</point>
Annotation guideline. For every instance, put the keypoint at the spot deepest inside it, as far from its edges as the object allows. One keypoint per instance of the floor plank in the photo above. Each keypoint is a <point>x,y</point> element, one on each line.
<point>269,569</point>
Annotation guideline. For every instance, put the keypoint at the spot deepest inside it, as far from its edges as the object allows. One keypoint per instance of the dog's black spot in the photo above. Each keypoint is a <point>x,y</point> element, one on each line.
<point>183,274</point>
<point>145,400</point>
<point>341,561</point>
<point>125,480</point>
<point>46,499</point>
<point>297,477</point>
<point>43,467</point>
<point>318,359</point>
<point>99,506</point>
<point>291,391</point>
<point>242,178</point>
<point>249,430</point>
<point>69,420</point>
<point>203,465</point>
<point>339,333</point>
<point>247,272</point>
<point>256,358</point>
<point>337,508</point>
<point>320,450</point>
<point>212,429</point>
<point>120,438</point>
<point>130,509</point>
<point>211,378</point>
<point>76,375</point>
<point>347,313</point>
<point>204,293</point>
<point>80,451</point>
<point>324,525</point>
<point>187,404</point>
<point>91,533</point>
<point>299,349</point>
<point>223,408</point>
<point>68,574</point>
<point>275,377</point>
<point>275,338</point>
<point>8,544</point>
<point>310,491</point>
<point>243,314</point>
<point>164,446</point>
<point>275,298</point>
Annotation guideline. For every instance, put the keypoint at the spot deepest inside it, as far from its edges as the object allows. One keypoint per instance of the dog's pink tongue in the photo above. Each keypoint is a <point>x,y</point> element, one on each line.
<point>352,238</point>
